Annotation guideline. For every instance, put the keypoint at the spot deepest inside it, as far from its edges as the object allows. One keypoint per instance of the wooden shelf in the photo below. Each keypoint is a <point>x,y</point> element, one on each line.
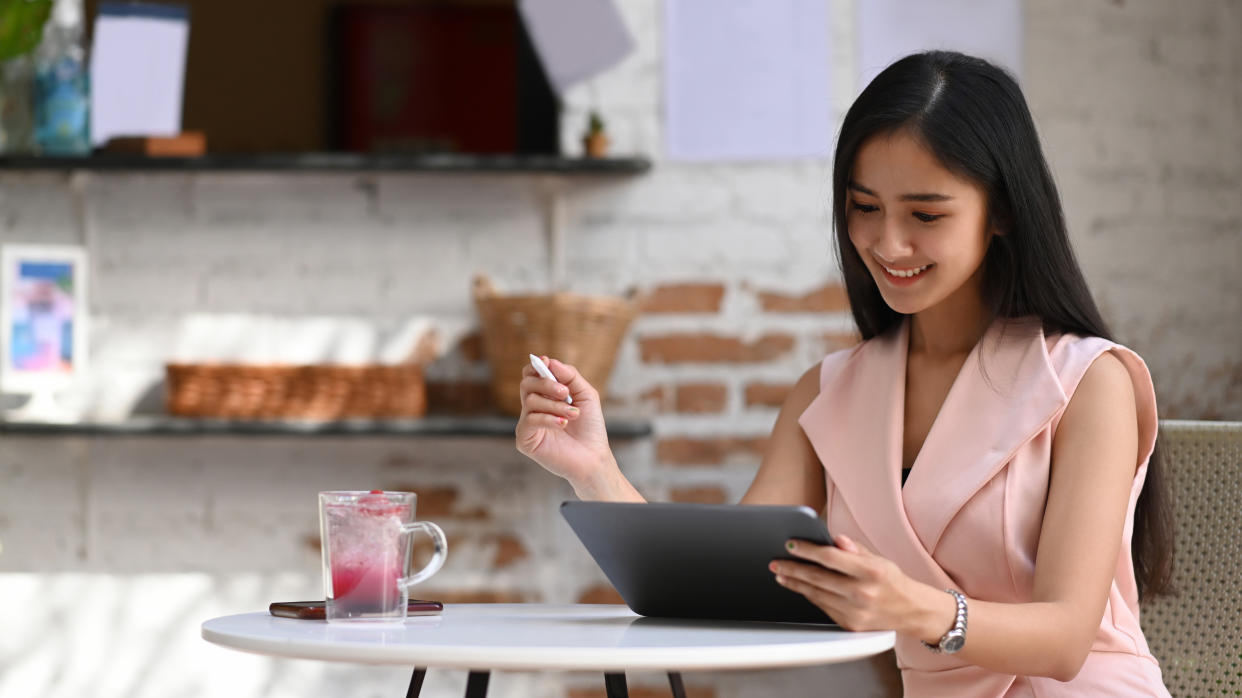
<point>336,162</point>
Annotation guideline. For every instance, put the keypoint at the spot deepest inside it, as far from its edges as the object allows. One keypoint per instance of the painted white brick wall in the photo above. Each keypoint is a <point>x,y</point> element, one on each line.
<point>1140,107</point>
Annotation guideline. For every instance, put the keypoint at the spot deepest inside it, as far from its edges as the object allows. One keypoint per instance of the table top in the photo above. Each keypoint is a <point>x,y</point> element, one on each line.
<point>549,637</point>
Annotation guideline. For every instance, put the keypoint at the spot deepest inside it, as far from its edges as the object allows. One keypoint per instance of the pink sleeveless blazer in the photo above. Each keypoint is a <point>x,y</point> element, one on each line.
<point>970,514</point>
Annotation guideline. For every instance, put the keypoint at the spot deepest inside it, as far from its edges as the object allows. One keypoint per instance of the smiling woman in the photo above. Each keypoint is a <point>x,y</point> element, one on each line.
<point>1034,497</point>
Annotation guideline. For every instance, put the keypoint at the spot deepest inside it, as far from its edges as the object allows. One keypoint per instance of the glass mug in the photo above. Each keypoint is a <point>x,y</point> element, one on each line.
<point>366,543</point>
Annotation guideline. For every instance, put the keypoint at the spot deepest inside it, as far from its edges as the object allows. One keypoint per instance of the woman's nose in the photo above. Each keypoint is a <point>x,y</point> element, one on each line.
<point>893,244</point>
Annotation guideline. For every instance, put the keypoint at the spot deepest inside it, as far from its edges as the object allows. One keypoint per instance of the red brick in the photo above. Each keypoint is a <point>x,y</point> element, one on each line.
<point>655,398</point>
<point>710,348</point>
<point>826,298</point>
<point>509,550</point>
<point>475,596</point>
<point>698,495</point>
<point>767,394</point>
<point>310,542</point>
<point>423,548</point>
<point>438,502</point>
<point>707,451</point>
<point>684,298</point>
<point>701,397</point>
<point>600,593</point>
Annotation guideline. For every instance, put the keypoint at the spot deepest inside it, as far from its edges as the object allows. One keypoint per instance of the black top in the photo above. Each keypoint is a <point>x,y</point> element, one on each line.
<point>905,473</point>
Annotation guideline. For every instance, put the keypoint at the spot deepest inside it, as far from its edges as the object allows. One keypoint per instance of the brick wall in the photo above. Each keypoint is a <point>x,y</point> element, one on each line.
<point>1140,108</point>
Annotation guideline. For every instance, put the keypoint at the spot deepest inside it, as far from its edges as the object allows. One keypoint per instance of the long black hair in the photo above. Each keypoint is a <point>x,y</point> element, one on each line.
<point>972,116</point>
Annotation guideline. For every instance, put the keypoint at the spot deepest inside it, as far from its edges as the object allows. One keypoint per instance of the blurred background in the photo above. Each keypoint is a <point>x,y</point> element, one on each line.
<point>305,245</point>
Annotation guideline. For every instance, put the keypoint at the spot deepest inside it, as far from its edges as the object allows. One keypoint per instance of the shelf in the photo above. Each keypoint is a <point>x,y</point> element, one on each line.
<point>180,426</point>
<point>335,162</point>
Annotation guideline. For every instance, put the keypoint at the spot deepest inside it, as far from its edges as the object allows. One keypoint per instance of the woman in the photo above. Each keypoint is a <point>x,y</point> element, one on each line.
<point>1012,561</point>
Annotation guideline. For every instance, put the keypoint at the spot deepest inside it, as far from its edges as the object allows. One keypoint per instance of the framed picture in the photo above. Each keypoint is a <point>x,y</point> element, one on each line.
<point>43,317</point>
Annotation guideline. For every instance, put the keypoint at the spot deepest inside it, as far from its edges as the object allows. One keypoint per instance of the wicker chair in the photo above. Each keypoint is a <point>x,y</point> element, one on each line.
<point>1197,635</point>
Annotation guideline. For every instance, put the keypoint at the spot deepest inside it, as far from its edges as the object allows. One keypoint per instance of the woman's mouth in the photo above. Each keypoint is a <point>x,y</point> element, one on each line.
<point>904,277</point>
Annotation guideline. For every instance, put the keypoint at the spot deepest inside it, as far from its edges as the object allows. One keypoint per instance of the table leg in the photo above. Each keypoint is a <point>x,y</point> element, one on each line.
<point>476,684</point>
<point>416,683</point>
<point>674,682</point>
<point>614,686</point>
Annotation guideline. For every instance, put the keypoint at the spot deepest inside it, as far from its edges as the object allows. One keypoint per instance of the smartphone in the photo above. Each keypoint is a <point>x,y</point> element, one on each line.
<point>317,610</point>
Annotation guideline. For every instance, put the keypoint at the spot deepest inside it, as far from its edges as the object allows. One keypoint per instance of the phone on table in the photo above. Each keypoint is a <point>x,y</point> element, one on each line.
<point>317,610</point>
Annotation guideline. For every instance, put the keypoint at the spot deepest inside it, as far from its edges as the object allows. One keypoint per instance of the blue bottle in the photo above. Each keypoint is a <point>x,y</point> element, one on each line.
<point>62,92</point>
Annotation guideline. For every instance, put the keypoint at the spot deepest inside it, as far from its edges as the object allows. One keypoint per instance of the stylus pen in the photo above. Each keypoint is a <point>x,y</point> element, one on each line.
<point>543,370</point>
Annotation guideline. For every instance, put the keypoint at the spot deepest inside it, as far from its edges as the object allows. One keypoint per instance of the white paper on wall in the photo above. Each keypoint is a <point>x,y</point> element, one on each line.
<point>575,39</point>
<point>891,29</point>
<point>137,70</point>
<point>747,79</point>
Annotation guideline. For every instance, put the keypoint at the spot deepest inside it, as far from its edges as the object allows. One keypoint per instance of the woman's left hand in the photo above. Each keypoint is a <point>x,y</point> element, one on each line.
<point>861,590</point>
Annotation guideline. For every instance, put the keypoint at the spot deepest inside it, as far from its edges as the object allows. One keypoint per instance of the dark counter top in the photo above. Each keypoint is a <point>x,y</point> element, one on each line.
<point>336,161</point>
<point>445,426</point>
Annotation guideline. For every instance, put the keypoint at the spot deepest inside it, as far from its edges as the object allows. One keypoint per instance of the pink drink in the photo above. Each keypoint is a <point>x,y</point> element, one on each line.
<point>369,556</point>
<point>366,543</point>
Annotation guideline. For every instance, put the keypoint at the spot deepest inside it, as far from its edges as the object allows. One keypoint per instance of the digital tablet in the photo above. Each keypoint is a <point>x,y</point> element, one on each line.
<point>699,560</point>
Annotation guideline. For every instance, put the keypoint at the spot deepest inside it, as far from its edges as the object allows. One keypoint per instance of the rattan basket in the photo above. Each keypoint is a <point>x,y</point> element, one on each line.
<point>316,392</point>
<point>584,331</point>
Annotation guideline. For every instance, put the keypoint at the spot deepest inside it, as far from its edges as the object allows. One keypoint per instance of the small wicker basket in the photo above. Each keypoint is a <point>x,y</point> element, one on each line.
<point>315,392</point>
<point>584,331</point>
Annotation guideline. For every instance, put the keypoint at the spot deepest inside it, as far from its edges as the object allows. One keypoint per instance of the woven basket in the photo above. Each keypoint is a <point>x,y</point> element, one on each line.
<point>584,331</point>
<point>318,392</point>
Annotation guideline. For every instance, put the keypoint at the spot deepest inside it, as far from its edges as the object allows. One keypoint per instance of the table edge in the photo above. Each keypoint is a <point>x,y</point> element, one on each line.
<point>790,655</point>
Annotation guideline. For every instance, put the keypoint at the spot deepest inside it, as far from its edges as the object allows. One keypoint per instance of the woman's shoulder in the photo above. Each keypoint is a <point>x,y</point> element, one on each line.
<point>1094,369</point>
<point>1072,355</point>
<point>837,360</point>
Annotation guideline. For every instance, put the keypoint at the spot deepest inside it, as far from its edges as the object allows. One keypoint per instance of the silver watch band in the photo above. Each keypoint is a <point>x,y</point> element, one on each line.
<point>955,638</point>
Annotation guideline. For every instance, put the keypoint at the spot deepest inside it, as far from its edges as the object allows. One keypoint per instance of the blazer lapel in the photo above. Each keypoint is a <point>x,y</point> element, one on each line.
<point>854,425</point>
<point>982,423</point>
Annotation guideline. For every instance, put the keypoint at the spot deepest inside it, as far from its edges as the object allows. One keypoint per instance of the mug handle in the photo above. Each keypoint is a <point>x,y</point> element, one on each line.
<point>437,557</point>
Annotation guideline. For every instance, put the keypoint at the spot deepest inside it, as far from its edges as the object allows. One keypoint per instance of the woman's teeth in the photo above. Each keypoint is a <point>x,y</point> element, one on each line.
<point>909,273</point>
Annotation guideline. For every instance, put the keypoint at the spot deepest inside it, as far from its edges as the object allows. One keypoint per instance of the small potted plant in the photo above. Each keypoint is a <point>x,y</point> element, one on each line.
<point>595,140</point>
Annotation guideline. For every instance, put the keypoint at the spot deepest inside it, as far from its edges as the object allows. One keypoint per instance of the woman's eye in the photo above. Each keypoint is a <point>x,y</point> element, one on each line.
<point>862,208</point>
<point>927,217</point>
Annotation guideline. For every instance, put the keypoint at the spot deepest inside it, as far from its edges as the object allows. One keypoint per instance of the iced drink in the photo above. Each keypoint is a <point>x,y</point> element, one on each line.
<point>366,553</point>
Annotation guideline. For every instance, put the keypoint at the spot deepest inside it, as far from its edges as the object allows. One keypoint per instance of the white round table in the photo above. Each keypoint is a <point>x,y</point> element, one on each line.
<point>539,637</point>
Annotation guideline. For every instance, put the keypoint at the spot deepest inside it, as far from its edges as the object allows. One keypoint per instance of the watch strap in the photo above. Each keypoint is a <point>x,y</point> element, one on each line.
<point>958,631</point>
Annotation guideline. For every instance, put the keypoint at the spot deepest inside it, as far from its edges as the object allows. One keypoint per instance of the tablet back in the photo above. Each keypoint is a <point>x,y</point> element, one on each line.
<point>698,560</point>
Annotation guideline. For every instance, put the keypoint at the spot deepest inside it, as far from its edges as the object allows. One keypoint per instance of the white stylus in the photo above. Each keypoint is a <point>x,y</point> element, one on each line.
<point>543,370</point>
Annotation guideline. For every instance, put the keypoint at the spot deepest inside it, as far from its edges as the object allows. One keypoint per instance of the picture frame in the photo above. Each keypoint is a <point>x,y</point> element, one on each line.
<point>43,323</point>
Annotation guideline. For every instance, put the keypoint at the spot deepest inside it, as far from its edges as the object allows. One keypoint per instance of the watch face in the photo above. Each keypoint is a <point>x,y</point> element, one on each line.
<point>953,642</point>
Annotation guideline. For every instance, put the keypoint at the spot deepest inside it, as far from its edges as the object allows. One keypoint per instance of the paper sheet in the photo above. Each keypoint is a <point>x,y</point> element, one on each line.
<point>137,70</point>
<point>890,29</point>
<point>575,39</point>
<point>747,79</point>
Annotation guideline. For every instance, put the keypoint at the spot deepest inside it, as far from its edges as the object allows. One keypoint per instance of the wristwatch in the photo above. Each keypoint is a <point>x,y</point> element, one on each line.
<point>955,639</point>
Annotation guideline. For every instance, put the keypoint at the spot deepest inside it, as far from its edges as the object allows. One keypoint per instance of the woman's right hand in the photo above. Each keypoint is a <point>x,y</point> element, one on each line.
<point>567,440</point>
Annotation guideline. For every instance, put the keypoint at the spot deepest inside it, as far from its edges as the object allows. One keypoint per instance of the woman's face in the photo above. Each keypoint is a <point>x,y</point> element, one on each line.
<point>921,230</point>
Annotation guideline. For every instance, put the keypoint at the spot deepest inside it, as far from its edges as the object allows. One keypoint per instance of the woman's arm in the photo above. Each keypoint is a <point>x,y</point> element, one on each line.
<point>1094,456</point>
<point>791,473</point>
<point>570,441</point>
